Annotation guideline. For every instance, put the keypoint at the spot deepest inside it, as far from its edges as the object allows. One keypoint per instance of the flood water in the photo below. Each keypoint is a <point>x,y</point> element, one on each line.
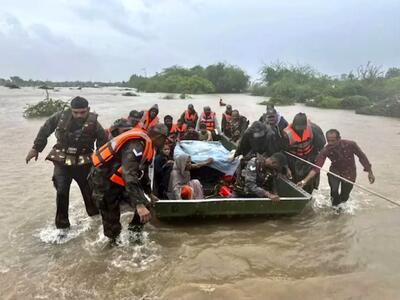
<point>316,255</point>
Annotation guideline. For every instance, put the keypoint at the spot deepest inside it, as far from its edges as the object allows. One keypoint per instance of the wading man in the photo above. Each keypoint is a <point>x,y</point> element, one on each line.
<point>341,154</point>
<point>121,166</point>
<point>76,130</point>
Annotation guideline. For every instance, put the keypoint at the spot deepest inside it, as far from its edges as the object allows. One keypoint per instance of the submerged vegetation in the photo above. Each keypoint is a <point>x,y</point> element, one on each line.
<point>218,78</point>
<point>130,94</point>
<point>366,88</point>
<point>44,108</point>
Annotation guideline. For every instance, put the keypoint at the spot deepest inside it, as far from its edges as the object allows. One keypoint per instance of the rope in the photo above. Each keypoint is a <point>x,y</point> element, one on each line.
<point>344,179</point>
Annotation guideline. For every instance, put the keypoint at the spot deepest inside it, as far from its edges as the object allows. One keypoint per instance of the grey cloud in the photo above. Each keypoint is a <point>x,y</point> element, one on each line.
<point>115,15</point>
<point>36,52</point>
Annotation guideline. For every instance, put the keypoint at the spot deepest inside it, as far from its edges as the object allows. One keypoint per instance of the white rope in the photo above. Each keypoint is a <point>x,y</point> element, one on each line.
<point>344,179</point>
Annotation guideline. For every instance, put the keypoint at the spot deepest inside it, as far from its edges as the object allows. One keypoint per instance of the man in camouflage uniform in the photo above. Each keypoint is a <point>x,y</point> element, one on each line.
<point>134,182</point>
<point>76,130</point>
<point>258,178</point>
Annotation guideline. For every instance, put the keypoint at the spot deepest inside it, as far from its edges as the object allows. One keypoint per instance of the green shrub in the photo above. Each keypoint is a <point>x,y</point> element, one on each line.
<point>325,102</point>
<point>130,94</point>
<point>277,101</point>
<point>281,101</point>
<point>44,108</point>
<point>258,89</point>
<point>352,102</point>
<point>389,107</point>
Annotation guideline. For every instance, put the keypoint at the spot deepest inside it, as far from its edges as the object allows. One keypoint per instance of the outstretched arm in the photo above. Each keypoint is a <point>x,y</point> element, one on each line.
<point>41,139</point>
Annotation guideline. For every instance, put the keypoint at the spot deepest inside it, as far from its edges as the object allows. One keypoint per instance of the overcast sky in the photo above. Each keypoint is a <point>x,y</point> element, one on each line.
<point>111,39</point>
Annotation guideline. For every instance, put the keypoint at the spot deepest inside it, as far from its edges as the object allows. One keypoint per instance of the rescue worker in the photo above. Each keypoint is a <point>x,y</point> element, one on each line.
<point>209,118</point>
<point>76,130</point>
<point>239,125</point>
<point>150,118</point>
<point>122,166</point>
<point>341,154</point>
<point>272,114</point>
<point>190,115</point>
<point>226,123</point>
<point>134,118</point>
<point>305,140</point>
<point>260,176</point>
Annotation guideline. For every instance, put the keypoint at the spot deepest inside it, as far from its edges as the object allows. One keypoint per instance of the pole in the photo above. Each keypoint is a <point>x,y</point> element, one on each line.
<point>344,179</point>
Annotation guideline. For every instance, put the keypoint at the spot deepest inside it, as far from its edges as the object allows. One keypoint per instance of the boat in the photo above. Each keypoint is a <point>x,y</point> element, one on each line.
<point>293,200</point>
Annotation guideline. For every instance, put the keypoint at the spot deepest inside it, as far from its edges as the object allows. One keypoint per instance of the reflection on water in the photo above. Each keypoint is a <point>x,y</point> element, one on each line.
<point>317,255</point>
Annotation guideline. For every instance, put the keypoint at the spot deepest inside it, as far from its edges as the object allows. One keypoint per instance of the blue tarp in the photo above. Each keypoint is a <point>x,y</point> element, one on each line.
<point>200,151</point>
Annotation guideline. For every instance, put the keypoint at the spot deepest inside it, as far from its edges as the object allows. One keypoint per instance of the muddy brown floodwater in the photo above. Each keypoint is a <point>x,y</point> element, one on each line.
<point>316,255</point>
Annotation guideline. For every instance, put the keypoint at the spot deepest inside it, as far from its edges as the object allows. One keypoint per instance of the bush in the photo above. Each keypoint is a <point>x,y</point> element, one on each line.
<point>258,89</point>
<point>44,108</point>
<point>12,86</point>
<point>344,88</point>
<point>168,97</point>
<point>390,107</point>
<point>357,101</point>
<point>325,102</point>
<point>281,101</point>
<point>130,94</point>
<point>277,101</point>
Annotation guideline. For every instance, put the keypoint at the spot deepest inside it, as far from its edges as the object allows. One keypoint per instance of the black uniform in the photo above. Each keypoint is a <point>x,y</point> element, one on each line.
<point>109,195</point>
<point>71,157</point>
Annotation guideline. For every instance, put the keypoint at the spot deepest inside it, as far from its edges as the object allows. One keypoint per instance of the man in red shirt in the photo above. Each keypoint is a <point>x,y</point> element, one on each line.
<point>341,153</point>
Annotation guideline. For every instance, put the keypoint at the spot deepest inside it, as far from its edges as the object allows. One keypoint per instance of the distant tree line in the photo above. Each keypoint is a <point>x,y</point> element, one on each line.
<point>366,89</point>
<point>16,81</point>
<point>217,78</point>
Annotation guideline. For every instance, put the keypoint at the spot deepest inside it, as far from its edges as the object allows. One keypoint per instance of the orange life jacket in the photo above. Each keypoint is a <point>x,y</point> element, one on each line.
<point>300,146</point>
<point>180,129</point>
<point>145,123</point>
<point>228,119</point>
<point>190,117</point>
<point>173,128</point>
<point>108,151</point>
<point>209,121</point>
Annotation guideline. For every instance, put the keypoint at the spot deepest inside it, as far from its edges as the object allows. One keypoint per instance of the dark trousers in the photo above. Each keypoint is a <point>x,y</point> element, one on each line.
<point>345,189</point>
<point>110,212</point>
<point>62,178</point>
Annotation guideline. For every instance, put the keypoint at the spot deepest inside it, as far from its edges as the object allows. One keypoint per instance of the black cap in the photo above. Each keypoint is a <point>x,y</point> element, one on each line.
<point>79,102</point>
